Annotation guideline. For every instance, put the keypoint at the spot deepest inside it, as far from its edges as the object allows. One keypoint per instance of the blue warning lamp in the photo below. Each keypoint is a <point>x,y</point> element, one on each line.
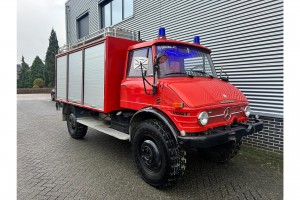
<point>197,40</point>
<point>162,33</point>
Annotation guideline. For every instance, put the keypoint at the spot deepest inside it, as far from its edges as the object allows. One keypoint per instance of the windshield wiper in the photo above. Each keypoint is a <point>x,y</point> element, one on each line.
<point>202,72</point>
<point>175,73</point>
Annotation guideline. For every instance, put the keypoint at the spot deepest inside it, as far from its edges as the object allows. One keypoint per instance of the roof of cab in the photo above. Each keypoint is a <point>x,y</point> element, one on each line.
<point>165,41</point>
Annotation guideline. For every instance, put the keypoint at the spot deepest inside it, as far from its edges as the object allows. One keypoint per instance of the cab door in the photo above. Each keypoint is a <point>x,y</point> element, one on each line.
<point>133,95</point>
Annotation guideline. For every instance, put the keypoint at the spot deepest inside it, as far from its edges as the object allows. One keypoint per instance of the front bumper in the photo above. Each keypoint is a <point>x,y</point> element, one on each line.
<point>220,136</point>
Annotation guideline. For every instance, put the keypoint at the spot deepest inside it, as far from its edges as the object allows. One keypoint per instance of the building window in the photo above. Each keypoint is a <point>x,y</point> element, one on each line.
<point>106,15</point>
<point>116,16</point>
<point>128,8</point>
<point>113,12</point>
<point>83,26</point>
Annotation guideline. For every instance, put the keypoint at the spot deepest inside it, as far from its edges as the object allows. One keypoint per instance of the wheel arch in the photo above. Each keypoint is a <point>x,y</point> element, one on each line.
<point>152,113</point>
<point>78,112</point>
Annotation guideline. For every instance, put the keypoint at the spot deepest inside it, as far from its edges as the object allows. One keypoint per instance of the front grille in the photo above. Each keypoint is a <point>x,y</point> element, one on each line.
<point>217,115</point>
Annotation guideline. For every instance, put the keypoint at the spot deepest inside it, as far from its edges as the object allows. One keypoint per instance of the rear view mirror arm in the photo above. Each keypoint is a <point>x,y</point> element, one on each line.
<point>145,80</point>
<point>223,78</point>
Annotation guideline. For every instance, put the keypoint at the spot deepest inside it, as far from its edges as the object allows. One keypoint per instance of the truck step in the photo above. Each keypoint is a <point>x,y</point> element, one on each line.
<point>102,127</point>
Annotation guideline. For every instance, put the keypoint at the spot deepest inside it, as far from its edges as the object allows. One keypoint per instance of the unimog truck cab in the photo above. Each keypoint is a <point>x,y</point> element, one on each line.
<point>164,96</point>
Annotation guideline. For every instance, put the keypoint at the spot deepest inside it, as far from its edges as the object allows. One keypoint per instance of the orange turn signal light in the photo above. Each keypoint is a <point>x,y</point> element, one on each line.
<point>178,105</point>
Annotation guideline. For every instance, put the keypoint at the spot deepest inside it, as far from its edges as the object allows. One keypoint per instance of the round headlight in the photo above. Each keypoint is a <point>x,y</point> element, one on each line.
<point>203,118</point>
<point>247,111</point>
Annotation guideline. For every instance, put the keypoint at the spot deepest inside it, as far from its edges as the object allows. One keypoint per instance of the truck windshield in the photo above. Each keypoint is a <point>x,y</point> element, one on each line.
<point>185,61</point>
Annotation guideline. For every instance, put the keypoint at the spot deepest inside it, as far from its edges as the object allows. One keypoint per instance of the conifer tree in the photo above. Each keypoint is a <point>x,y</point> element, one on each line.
<point>24,80</point>
<point>50,59</point>
<point>37,69</point>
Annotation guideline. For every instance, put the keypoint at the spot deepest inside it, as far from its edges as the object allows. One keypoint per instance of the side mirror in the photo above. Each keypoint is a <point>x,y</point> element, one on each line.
<point>160,58</point>
<point>140,63</point>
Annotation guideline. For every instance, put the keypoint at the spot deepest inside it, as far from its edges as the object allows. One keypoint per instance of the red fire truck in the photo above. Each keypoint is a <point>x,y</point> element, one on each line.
<point>164,96</point>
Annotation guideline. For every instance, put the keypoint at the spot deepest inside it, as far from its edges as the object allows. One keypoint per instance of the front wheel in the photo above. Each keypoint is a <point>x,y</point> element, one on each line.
<point>157,156</point>
<point>76,130</point>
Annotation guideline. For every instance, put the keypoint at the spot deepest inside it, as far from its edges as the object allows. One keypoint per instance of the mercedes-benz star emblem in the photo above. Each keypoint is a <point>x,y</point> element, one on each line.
<point>224,95</point>
<point>227,114</point>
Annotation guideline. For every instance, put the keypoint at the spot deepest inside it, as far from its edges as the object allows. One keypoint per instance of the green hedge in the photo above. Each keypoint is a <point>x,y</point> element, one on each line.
<point>33,90</point>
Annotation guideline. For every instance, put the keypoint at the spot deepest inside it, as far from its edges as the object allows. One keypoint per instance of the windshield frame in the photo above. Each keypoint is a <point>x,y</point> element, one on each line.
<point>206,53</point>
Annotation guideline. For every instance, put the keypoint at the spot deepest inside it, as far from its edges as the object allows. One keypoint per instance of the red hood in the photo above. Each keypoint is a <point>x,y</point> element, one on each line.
<point>197,92</point>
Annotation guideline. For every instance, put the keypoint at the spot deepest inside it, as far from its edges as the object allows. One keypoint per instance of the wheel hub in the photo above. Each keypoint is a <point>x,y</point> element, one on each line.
<point>150,155</point>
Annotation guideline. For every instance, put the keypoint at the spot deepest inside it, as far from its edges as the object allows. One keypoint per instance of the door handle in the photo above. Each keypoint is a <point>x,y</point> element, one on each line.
<point>123,85</point>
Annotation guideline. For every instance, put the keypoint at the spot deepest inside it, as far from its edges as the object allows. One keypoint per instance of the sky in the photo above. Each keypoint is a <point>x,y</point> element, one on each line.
<point>35,19</point>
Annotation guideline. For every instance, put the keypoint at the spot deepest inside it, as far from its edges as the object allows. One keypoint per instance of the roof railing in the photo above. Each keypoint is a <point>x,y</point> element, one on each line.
<point>108,31</point>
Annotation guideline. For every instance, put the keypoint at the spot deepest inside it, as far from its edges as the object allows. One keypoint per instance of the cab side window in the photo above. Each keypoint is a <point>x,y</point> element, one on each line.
<point>144,52</point>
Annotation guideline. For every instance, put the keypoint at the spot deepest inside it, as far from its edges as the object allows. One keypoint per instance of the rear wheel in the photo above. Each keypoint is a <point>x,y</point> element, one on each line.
<point>158,158</point>
<point>221,153</point>
<point>76,130</point>
<point>52,97</point>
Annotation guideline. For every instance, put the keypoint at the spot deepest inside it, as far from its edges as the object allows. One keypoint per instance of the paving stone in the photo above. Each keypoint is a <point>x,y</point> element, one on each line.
<point>52,165</point>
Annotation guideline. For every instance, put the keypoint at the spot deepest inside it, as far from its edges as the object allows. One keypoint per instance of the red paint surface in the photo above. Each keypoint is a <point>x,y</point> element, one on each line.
<point>201,91</point>
<point>198,94</point>
<point>115,57</point>
<point>174,42</point>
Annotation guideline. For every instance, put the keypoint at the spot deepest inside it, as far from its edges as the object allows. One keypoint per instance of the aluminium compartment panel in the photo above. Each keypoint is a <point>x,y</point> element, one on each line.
<point>75,77</point>
<point>94,76</point>
<point>61,70</point>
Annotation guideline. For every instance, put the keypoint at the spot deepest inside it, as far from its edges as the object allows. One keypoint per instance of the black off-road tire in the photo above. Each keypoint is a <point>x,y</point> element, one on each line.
<point>76,130</point>
<point>221,153</point>
<point>52,97</point>
<point>157,155</point>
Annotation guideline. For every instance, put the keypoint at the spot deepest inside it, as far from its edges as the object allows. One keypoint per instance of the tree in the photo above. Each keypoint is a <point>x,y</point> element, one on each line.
<point>50,59</point>
<point>24,80</point>
<point>38,83</point>
<point>37,69</point>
